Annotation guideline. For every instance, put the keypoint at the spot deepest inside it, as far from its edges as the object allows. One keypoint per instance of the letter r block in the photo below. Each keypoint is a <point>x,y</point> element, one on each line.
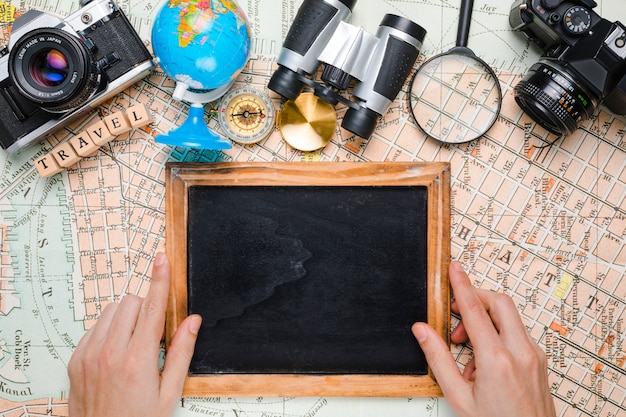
<point>65,155</point>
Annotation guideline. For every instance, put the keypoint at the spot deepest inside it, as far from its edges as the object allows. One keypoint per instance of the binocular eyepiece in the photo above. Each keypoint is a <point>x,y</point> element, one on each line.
<point>379,64</point>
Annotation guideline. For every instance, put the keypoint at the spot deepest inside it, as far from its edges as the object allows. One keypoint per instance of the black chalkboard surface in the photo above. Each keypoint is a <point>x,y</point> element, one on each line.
<point>308,276</point>
<point>307,279</point>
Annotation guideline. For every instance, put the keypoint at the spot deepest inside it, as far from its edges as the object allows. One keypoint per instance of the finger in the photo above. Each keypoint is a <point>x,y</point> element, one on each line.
<point>459,334</point>
<point>151,320</point>
<point>124,322</point>
<point>178,358</point>
<point>469,372</point>
<point>476,320</point>
<point>505,317</point>
<point>440,360</point>
<point>98,333</point>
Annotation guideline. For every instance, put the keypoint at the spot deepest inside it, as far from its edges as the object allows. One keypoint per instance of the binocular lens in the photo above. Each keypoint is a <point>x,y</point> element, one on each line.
<point>49,68</point>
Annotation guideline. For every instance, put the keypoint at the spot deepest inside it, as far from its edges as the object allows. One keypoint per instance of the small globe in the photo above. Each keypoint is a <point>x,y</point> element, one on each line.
<point>202,43</point>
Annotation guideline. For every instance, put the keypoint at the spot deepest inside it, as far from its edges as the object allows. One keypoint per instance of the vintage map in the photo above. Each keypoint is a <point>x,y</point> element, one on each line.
<point>544,224</point>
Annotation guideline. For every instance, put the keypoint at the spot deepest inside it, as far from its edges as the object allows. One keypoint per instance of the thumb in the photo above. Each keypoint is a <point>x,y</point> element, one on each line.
<point>178,358</point>
<point>439,359</point>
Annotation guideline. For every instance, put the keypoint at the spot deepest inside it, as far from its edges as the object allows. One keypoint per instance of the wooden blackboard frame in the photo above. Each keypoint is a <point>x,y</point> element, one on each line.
<point>434,176</point>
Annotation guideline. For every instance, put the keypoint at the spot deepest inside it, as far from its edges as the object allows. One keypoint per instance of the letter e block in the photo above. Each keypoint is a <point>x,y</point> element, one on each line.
<point>83,145</point>
<point>65,155</point>
<point>99,133</point>
<point>117,123</point>
<point>139,115</point>
<point>47,166</point>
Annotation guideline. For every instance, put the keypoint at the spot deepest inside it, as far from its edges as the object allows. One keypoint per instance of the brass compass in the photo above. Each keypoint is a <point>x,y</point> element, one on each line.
<point>307,123</point>
<point>246,115</point>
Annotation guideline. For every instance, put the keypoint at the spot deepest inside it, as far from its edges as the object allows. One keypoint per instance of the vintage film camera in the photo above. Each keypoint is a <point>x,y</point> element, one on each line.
<point>379,64</point>
<point>582,67</point>
<point>55,70</point>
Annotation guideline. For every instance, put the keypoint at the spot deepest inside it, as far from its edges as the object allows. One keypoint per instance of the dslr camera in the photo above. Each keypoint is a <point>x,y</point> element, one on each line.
<point>53,70</point>
<point>379,65</point>
<point>582,67</point>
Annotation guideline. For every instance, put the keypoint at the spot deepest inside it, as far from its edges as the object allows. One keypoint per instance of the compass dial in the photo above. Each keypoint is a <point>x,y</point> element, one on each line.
<point>246,115</point>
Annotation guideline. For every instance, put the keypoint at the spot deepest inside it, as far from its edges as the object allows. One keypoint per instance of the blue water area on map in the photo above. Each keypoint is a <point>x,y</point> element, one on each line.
<point>41,334</point>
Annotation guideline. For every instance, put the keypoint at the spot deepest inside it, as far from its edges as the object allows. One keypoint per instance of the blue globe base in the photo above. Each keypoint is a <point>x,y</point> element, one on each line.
<point>194,133</point>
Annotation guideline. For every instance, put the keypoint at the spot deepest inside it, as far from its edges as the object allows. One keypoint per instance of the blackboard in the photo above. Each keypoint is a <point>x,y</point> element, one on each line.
<point>302,274</point>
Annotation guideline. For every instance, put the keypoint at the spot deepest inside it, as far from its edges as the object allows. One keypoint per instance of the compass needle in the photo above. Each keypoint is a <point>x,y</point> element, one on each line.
<point>246,115</point>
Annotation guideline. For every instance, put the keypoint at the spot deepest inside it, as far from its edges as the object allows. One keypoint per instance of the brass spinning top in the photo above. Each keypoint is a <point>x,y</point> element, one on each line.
<point>308,122</point>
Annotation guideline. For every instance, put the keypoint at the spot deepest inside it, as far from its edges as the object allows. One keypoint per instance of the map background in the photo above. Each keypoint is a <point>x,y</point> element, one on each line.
<point>545,225</point>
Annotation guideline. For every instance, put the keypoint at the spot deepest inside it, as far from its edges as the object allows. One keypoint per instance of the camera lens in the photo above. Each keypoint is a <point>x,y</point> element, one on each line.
<point>49,68</point>
<point>549,94</point>
<point>54,69</point>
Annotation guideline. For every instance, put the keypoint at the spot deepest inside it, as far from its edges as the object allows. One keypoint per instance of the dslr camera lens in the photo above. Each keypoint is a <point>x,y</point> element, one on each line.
<point>550,96</point>
<point>54,69</point>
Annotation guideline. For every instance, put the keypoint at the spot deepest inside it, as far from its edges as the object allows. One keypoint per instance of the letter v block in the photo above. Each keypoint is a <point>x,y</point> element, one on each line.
<point>99,133</point>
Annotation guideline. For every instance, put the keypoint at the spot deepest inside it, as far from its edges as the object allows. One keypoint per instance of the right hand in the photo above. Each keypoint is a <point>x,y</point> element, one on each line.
<point>507,376</point>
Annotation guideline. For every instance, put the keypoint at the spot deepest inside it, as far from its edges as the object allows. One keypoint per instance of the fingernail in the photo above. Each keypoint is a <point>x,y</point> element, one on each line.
<point>194,325</point>
<point>457,266</point>
<point>159,259</point>
<point>420,333</point>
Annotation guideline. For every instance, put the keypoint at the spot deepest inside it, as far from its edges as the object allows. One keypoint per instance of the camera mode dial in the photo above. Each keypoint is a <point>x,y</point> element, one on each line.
<point>577,20</point>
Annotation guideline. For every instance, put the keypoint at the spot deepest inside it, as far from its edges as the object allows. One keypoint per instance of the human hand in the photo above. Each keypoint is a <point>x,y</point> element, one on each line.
<point>507,375</point>
<point>114,370</point>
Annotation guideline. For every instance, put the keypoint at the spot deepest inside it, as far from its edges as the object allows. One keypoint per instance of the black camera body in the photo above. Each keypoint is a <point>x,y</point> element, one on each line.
<point>379,65</point>
<point>54,70</point>
<point>582,67</point>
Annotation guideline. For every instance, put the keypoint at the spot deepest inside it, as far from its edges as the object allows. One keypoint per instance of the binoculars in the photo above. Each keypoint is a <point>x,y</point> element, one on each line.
<point>379,65</point>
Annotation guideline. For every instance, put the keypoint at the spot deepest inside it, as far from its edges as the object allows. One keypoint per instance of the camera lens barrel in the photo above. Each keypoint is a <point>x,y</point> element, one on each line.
<point>554,99</point>
<point>54,69</point>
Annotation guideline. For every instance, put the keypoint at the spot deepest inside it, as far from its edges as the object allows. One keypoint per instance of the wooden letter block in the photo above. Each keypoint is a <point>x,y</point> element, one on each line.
<point>83,145</point>
<point>117,123</point>
<point>47,166</point>
<point>139,115</point>
<point>65,155</point>
<point>99,133</point>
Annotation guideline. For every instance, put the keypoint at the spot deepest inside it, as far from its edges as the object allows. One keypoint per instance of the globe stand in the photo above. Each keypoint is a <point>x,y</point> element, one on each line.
<point>194,132</point>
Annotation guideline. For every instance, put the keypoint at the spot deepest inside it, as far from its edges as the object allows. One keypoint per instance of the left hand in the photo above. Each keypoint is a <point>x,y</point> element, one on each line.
<point>114,370</point>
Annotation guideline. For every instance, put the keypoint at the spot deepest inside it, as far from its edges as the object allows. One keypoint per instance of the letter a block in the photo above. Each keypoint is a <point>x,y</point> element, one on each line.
<point>83,145</point>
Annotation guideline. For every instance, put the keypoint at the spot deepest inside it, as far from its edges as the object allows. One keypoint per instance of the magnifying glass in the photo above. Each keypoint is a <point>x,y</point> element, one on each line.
<point>455,96</point>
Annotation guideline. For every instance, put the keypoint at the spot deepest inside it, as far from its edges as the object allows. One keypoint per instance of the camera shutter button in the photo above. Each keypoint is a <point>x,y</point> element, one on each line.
<point>550,4</point>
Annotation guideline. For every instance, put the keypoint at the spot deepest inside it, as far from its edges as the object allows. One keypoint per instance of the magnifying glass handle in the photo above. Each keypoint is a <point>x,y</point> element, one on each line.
<point>465,18</point>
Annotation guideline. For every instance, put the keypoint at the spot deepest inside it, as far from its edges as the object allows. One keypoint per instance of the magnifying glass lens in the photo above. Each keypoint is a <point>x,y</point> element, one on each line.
<point>455,97</point>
